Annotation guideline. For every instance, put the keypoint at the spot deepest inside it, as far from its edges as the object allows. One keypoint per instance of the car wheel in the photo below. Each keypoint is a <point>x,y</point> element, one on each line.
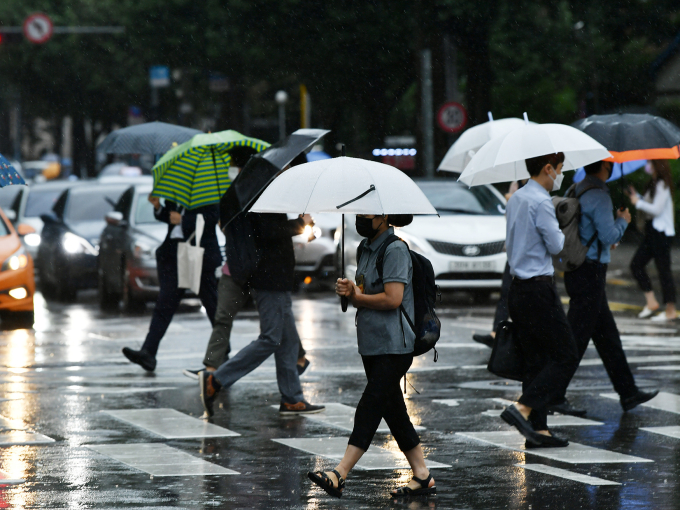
<point>131,302</point>
<point>108,300</point>
<point>17,320</point>
<point>65,291</point>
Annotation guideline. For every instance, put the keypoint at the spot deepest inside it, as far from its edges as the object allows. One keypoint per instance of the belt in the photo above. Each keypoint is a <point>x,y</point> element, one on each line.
<point>543,278</point>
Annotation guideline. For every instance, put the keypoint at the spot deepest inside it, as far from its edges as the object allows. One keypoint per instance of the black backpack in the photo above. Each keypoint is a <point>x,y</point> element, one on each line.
<point>241,251</point>
<point>427,326</point>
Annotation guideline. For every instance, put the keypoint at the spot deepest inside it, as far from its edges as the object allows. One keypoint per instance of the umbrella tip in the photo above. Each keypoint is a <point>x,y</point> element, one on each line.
<point>490,116</point>
<point>526,118</point>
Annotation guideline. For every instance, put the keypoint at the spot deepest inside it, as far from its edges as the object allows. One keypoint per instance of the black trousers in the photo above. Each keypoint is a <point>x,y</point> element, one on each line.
<point>656,245</point>
<point>502,312</point>
<point>590,317</point>
<point>547,345</point>
<point>170,296</point>
<point>382,398</point>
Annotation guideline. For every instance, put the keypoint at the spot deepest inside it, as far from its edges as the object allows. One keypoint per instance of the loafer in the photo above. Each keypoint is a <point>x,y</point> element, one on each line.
<point>662,317</point>
<point>301,407</point>
<point>512,416</point>
<point>549,442</point>
<point>646,312</point>
<point>141,358</point>
<point>639,398</point>
<point>566,408</point>
<point>483,339</point>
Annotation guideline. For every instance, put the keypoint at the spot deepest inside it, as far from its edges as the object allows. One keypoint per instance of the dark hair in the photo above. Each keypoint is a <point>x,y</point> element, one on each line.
<point>535,165</point>
<point>593,168</point>
<point>663,173</point>
<point>399,220</point>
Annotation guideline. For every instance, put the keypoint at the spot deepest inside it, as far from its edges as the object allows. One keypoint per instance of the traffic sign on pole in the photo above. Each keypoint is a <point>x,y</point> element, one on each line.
<point>452,117</point>
<point>38,28</point>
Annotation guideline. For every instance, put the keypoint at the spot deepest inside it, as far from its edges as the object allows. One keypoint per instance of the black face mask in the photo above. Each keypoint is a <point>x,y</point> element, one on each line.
<point>365,228</point>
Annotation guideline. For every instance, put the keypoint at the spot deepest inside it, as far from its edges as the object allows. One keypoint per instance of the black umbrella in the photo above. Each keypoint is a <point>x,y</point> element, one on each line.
<point>262,168</point>
<point>633,136</point>
<point>149,138</point>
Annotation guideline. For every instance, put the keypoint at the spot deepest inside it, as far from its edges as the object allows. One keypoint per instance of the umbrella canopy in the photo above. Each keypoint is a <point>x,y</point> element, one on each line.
<point>461,152</point>
<point>196,173</point>
<point>633,136</point>
<point>502,159</point>
<point>343,185</point>
<point>9,174</point>
<point>149,138</point>
<point>262,168</point>
<point>619,170</point>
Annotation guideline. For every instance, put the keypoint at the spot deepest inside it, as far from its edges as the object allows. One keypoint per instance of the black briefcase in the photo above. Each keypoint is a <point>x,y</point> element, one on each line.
<point>506,357</point>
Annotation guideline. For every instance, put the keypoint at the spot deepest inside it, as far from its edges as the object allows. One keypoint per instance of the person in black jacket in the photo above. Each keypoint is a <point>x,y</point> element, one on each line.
<point>271,284</point>
<point>180,227</point>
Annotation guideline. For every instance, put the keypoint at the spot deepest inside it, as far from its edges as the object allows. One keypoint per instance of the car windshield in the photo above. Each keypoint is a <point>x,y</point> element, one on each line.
<point>91,204</point>
<point>41,201</point>
<point>144,211</point>
<point>7,196</point>
<point>454,198</point>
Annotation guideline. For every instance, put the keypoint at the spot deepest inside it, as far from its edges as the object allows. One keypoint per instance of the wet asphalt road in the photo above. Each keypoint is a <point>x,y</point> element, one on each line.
<point>58,379</point>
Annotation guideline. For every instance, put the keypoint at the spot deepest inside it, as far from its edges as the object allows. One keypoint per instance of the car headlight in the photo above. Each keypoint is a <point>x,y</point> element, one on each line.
<point>74,244</point>
<point>143,250</point>
<point>17,260</point>
<point>32,239</point>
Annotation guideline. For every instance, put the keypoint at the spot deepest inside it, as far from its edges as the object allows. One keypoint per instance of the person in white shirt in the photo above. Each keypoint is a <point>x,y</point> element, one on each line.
<point>659,233</point>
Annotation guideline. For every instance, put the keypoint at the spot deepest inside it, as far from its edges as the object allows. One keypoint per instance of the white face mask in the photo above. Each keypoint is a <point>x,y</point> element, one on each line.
<point>557,181</point>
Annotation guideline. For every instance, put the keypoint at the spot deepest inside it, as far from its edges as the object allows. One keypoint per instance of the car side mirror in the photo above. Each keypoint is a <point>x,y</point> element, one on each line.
<point>49,218</point>
<point>23,229</point>
<point>11,215</point>
<point>115,218</point>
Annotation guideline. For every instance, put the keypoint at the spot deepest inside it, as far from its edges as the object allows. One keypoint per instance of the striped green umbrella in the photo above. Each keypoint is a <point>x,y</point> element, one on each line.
<point>196,173</point>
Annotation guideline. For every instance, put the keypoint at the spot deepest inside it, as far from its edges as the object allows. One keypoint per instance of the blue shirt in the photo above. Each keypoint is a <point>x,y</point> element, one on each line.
<point>596,215</point>
<point>533,233</point>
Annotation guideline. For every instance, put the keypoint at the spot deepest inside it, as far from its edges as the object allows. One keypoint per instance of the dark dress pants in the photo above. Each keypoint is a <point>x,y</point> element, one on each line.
<point>590,317</point>
<point>170,295</point>
<point>656,245</point>
<point>547,345</point>
<point>382,398</point>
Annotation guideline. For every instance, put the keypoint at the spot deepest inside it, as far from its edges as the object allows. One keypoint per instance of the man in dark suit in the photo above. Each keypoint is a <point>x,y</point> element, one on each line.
<point>181,225</point>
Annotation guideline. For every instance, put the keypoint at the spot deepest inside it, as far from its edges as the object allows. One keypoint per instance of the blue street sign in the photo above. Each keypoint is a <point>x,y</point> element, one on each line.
<point>159,76</point>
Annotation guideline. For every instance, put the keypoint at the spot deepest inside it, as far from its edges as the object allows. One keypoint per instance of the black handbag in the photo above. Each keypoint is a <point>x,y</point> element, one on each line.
<point>506,356</point>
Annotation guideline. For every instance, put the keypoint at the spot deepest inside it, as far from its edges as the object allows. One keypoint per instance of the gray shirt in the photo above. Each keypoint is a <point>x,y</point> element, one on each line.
<point>380,331</point>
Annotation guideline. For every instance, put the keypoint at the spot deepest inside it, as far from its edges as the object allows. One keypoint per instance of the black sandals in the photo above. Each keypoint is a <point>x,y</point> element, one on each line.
<point>424,489</point>
<point>322,480</point>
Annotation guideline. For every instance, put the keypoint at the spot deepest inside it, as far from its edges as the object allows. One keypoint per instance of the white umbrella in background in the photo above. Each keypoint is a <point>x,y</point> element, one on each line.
<point>343,185</point>
<point>461,152</point>
<point>502,159</point>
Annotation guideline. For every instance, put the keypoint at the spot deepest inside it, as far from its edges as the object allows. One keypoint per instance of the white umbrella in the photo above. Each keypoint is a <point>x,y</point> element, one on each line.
<point>461,152</point>
<point>502,159</point>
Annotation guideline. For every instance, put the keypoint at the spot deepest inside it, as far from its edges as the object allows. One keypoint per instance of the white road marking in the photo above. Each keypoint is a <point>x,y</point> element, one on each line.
<point>663,401</point>
<point>575,453</point>
<point>342,417</point>
<point>672,431</point>
<point>633,359</point>
<point>114,389</point>
<point>160,460</point>
<point>554,420</point>
<point>448,402</point>
<point>21,438</point>
<point>170,424</point>
<point>563,473</point>
<point>334,448</point>
<point>666,368</point>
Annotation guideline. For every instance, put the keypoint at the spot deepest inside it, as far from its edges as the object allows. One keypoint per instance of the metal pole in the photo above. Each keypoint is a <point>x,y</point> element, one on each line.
<point>426,112</point>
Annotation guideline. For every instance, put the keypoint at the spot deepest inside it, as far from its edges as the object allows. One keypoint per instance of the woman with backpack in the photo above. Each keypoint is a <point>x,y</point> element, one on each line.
<point>386,344</point>
<point>657,203</point>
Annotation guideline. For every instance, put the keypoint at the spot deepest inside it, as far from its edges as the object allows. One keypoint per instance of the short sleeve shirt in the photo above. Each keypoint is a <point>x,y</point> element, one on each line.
<point>385,331</point>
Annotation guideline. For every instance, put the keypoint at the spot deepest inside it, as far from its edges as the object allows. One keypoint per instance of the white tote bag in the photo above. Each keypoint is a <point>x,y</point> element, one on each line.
<point>190,260</point>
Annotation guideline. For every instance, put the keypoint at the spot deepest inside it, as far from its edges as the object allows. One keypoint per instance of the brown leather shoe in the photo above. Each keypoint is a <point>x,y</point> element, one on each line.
<point>301,407</point>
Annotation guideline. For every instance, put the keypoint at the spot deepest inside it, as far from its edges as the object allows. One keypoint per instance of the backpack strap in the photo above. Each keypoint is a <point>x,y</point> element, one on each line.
<point>592,239</point>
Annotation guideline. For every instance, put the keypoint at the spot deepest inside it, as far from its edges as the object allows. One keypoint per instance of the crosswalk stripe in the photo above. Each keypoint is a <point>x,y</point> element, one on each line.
<point>672,431</point>
<point>563,473</point>
<point>554,420</point>
<point>663,401</point>
<point>160,460</point>
<point>447,402</point>
<point>575,453</point>
<point>170,424</point>
<point>22,438</point>
<point>334,448</point>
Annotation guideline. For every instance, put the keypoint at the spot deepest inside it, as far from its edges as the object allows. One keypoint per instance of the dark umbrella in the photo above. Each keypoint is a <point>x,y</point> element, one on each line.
<point>149,138</point>
<point>262,169</point>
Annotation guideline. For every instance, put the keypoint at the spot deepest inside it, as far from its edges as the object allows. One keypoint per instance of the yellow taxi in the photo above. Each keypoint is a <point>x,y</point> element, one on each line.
<point>17,285</point>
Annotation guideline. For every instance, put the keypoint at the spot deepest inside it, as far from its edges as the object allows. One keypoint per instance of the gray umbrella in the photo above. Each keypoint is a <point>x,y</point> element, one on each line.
<point>149,138</point>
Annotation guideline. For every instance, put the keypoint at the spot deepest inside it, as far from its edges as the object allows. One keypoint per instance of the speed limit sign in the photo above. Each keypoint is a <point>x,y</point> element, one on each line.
<point>38,28</point>
<point>452,117</point>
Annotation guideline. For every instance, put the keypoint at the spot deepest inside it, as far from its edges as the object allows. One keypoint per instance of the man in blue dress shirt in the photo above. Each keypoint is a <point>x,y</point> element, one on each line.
<point>541,327</point>
<point>589,313</point>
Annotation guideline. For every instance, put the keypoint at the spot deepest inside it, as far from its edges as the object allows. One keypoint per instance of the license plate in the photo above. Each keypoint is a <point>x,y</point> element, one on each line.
<point>472,265</point>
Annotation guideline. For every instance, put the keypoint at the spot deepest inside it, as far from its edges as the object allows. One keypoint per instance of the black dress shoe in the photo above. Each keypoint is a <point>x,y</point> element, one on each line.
<point>566,408</point>
<point>549,442</point>
<point>639,398</point>
<point>512,416</point>
<point>483,339</point>
<point>141,358</point>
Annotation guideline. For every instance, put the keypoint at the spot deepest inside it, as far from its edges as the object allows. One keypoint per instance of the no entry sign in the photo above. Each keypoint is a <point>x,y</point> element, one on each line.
<point>38,28</point>
<point>452,117</point>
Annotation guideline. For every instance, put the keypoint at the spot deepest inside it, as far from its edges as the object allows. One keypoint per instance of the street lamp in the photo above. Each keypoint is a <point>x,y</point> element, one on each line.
<point>281,99</point>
